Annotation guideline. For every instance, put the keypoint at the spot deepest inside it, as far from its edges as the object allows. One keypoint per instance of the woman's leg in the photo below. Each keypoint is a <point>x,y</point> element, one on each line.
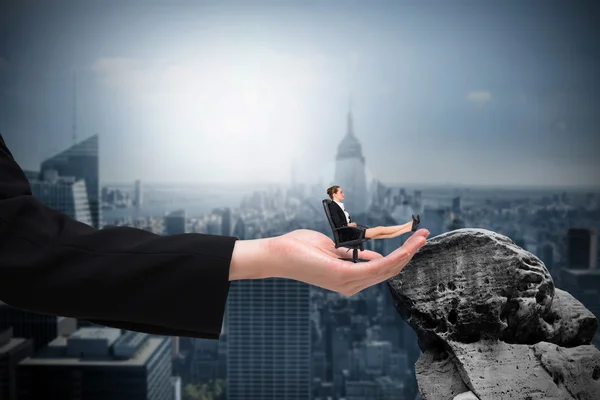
<point>386,232</point>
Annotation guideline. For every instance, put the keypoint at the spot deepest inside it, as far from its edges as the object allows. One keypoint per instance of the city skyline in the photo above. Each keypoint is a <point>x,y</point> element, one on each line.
<point>500,95</point>
<point>325,177</point>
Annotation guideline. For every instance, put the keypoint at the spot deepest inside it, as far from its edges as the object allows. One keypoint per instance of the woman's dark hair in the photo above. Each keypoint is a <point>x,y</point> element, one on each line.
<point>332,190</point>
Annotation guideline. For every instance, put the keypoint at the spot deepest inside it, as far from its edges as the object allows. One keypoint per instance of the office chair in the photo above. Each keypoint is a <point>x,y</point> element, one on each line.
<point>353,244</point>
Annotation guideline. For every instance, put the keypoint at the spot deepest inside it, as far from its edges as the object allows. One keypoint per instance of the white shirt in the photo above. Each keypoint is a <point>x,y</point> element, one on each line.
<point>344,210</point>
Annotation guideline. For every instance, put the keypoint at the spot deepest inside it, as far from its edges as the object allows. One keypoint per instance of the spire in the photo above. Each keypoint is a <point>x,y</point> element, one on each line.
<point>350,147</point>
<point>350,125</point>
<point>74,107</point>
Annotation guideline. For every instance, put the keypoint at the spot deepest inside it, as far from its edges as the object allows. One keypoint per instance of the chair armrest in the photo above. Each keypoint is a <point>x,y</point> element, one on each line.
<point>345,227</point>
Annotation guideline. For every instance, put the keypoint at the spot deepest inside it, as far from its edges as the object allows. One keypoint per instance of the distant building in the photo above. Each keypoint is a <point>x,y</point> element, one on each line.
<point>456,208</point>
<point>584,285</point>
<point>350,172</point>
<point>546,254</point>
<point>239,230</point>
<point>268,340</point>
<point>41,328</point>
<point>32,175</point>
<point>227,223</point>
<point>101,363</point>
<point>12,351</point>
<point>434,220</point>
<point>176,384</point>
<point>81,162</point>
<point>582,248</point>
<point>138,198</point>
<point>418,198</point>
<point>175,222</point>
<point>63,194</point>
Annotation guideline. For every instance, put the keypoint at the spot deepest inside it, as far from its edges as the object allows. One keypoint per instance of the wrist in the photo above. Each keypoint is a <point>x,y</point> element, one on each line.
<point>250,260</point>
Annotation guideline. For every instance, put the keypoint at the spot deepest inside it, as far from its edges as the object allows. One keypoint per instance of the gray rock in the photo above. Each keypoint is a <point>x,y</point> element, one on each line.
<point>577,369</point>
<point>497,370</point>
<point>568,323</point>
<point>466,396</point>
<point>472,284</point>
<point>492,307</point>
<point>438,377</point>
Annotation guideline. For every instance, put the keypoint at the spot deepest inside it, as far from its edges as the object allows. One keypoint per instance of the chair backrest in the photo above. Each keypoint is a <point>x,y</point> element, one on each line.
<point>326,204</point>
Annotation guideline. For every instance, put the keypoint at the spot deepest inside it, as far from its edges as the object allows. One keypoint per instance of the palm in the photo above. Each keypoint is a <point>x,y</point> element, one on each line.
<point>311,257</point>
<point>322,243</point>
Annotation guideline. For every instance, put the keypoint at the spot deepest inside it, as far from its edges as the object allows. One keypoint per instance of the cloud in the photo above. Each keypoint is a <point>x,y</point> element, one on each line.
<point>222,72</point>
<point>479,97</point>
<point>234,102</point>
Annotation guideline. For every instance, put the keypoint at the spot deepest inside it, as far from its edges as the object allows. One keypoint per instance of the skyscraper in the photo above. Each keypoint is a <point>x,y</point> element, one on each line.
<point>456,205</point>
<point>138,194</point>
<point>269,340</point>
<point>63,194</point>
<point>582,248</point>
<point>227,222</point>
<point>12,351</point>
<point>175,222</point>
<point>99,363</point>
<point>42,328</point>
<point>350,172</point>
<point>81,162</point>
<point>581,278</point>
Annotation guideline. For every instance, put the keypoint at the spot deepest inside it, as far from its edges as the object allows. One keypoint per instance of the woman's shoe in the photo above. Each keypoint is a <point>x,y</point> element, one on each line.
<point>415,223</point>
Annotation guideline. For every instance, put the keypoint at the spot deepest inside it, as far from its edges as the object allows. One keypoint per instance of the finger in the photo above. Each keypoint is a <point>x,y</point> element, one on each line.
<point>421,232</point>
<point>391,265</point>
<point>378,275</point>
<point>372,255</point>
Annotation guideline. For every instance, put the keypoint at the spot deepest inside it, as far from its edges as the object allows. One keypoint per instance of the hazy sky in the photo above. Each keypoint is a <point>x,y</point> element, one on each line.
<point>471,92</point>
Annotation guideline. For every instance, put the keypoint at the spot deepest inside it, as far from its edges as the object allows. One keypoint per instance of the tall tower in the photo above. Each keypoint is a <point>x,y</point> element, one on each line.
<point>350,171</point>
<point>81,162</point>
<point>269,340</point>
<point>138,193</point>
<point>75,107</point>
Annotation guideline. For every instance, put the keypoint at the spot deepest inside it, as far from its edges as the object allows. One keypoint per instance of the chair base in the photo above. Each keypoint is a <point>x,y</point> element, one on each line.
<point>354,258</point>
<point>355,261</point>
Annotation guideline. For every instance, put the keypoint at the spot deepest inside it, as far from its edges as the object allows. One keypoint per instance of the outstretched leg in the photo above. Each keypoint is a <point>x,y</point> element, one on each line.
<point>386,232</point>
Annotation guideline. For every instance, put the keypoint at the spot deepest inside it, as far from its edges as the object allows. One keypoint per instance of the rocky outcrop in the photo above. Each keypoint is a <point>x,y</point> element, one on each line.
<point>491,323</point>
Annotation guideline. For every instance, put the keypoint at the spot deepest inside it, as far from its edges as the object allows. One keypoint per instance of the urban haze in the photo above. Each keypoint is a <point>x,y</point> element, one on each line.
<point>233,118</point>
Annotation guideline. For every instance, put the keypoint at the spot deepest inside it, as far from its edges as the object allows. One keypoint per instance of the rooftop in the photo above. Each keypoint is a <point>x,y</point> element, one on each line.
<point>580,272</point>
<point>56,353</point>
<point>11,344</point>
<point>58,348</point>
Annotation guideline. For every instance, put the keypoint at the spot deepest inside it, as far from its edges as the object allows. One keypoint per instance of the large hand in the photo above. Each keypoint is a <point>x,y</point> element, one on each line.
<point>311,257</point>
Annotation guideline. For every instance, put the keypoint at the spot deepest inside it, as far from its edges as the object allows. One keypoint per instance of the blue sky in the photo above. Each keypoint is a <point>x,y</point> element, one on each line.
<point>442,92</point>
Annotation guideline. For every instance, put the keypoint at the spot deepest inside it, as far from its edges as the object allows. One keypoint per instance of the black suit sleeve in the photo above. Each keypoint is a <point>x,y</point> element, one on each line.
<point>337,215</point>
<point>122,277</point>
